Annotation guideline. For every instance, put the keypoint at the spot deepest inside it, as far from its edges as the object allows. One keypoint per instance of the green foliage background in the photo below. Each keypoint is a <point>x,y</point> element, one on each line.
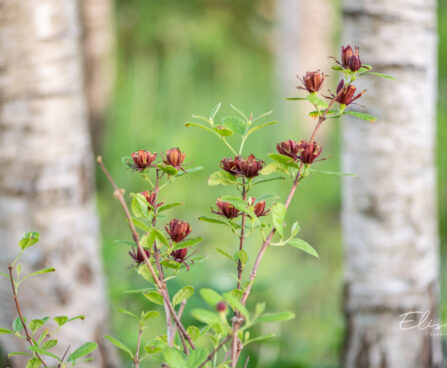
<point>176,58</point>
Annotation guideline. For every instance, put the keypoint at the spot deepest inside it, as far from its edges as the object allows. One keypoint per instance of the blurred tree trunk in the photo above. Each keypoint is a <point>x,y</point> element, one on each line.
<point>47,170</point>
<point>304,40</point>
<point>98,46</point>
<point>389,211</point>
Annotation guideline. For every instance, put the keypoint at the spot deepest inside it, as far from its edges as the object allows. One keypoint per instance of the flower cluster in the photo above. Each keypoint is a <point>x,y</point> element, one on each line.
<point>304,151</point>
<point>239,166</point>
<point>142,160</point>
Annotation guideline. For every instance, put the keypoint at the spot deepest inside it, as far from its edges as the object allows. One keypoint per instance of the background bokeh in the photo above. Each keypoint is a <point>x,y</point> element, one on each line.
<point>177,58</point>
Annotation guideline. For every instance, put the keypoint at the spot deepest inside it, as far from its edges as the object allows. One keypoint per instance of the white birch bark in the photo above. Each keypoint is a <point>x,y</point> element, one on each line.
<point>304,40</point>
<point>47,172</point>
<point>389,210</point>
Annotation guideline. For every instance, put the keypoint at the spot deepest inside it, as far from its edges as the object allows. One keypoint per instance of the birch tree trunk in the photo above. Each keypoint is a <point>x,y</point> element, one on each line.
<point>47,172</point>
<point>304,40</point>
<point>389,210</point>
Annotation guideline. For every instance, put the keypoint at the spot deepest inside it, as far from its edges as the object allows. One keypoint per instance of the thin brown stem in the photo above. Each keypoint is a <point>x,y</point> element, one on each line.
<point>268,240</point>
<point>119,195</point>
<point>19,311</point>
<point>137,353</point>
<point>211,355</point>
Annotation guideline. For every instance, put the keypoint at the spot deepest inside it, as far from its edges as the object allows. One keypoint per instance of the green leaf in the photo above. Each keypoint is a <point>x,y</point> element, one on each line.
<point>263,115</point>
<point>81,317</point>
<point>278,211</point>
<point>17,324</point>
<point>168,169</point>
<point>316,101</point>
<point>259,309</point>
<point>154,297</point>
<point>83,350</point>
<point>381,75</point>
<point>240,112</point>
<point>140,224</point>
<point>274,167</point>
<point>205,316</point>
<point>125,311</point>
<point>61,320</point>
<point>42,351</point>
<point>234,123</point>
<point>236,304</point>
<point>49,344</point>
<point>185,292</point>
<point>221,251</point>
<point>29,239</point>
<point>260,126</point>
<point>259,338</point>
<point>215,110</point>
<point>211,297</point>
<point>240,205</point>
<point>296,99</point>
<point>241,255</point>
<point>223,131</point>
<point>268,179</point>
<point>295,229</point>
<point>337,67</point>
<point>188,243</point>
<point>193,332</point>
<point>35,324</point>
<point>148,239</point>
<point>4,274</point>
<point>282,159</point>
<point>197,125</point>
<point>5,331</point>
<point>197,357</point>
<point>161,237</point>
<point>221,178</point>
<point>143,270</point>
<point>212,220</point>
<point>189,171</point>
<point>137,209</point>
<point>304,246</point>
<point>119,344</point>
<point>39,272</point>
<point>275,317</point>
<point>125,242</point>
<point>150,315</point>
<point>168,206</point>
<point>333,173</point>
<point>361,115</point>
<point>34,363</point>
<point>174,358</point>
<point>152,349</point>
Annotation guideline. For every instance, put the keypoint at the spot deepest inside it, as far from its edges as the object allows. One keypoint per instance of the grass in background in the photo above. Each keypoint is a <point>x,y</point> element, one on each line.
<point>179,58</point>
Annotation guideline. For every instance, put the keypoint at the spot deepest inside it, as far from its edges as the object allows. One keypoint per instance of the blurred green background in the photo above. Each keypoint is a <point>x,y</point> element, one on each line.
<point>178,58</point>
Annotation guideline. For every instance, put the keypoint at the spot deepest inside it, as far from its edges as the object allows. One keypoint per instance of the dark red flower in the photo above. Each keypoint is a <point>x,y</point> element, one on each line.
<point>288,148</point>
<point>229,165</point>
<point>346,54</point>
<point>308,151</point>
<point>312,81</point>
<point>350,59</point>
<point>174,157</point>
<point>178,230</point>
<point>249,167</point>
<point>150,198</point>
<point>221,307</point>
<point>179,254</point>
<point>347,92</point>
<point>138,256</point>
<point>259,208</point>
<point>226,209</point>
<point>142,159</point>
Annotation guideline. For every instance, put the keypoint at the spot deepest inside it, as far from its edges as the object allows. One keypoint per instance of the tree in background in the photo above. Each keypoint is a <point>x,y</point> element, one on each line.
<point>46,167</point>
<point>389,212</point>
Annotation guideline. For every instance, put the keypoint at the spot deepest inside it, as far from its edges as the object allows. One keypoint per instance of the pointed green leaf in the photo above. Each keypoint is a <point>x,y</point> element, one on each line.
<point>174,358</point>
<point>259,338</point>
<point>197,125</point>
<point>168,169</point>
<point>295,229</point>
<point>188,243</point>
<point>42,351</point>
<point>125,311</point>
<point>120,345</point>
<point>304,246</point>
<point>141,225</point>
<point>17,324</point>
<point>34,363</point>
<point>221,178</point>
<point>193,332</point>
<point>278,211</point>
<point>274,167</point>
<point>240,112</point>
<point>235,124</point>
<point>275,317</point>
<point>361,115</point>
<point>168,206</point>
<point>381,75</point>
<point>196,358</point>
<point>221,251</point>
<point>49,344</point>
<point>215,110</point>
<point>61,320</point>
<point>254,129</point>
<point>185,292</point>
<point>333,173</point>
<point>296,99</point>
<point>83,350</point>
<point>29,239</point>
<point>236,305</point>
<point>206,316</point>
<point>316,101</point>
<point>223,131</point>
<point>5,331</point>
<point>212,220</point>
<point>154,297</point>
<point>150,315</point>
<point>211,297</point>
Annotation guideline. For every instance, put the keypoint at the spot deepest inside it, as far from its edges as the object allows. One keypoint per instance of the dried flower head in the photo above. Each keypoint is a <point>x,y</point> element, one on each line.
<point>226,209</point>
<point>249,167</point>
<point>308,152</point>
<point>174,157</point>
<point>178,230</point>
<point>288,148</point>
<point>312,81</point>
<point>229,165</point>
<point>179,255</point>
<point>138,256</point>
<point>259,208</point>
<point>142,159</point>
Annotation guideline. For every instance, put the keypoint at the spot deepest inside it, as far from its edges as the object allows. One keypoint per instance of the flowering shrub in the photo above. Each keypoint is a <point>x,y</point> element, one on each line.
<point>161,244</point>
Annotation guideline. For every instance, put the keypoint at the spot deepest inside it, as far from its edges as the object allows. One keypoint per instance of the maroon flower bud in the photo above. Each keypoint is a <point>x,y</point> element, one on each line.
<point>249,167</point>
<point>259,208</point>
<point>226,209</point>
<point>288,148</point>
<point>309,151</point>
<point>138,256</point>
<point>229,165</point>
<point>221,307</point>
<point>346,96</point>
<point>312,81</point>
<point>355,63</point>
<point>179,254</point>
<point>143,159</point>
<point>178,230</point>
<point>150,198</point>
<point>174,157</point>
<point>346,54</point>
